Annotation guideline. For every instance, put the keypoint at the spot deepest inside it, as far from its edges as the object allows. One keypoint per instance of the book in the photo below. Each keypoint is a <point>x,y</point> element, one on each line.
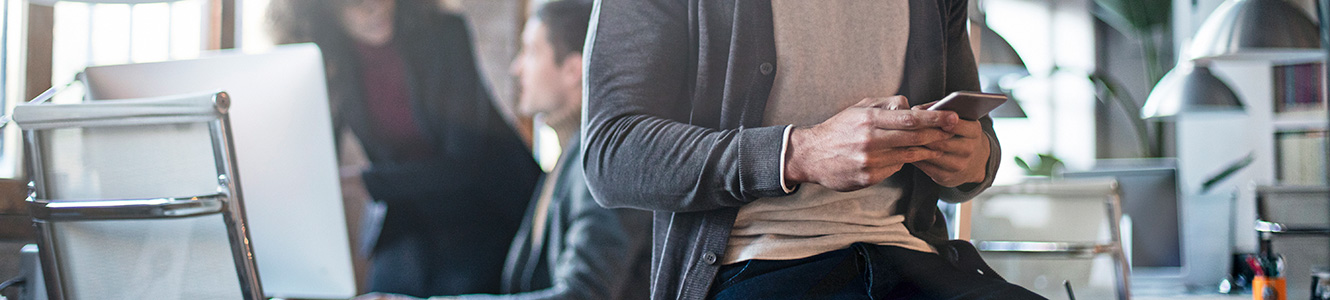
<point>1300,157</point>
<point>1298,88</point>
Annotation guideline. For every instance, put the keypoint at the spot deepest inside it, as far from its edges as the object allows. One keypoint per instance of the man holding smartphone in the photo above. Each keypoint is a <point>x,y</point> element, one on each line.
<point>776,142</point>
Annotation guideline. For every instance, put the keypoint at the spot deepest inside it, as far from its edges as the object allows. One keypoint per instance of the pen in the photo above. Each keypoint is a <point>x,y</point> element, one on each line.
<point>1255,266</point>
<point>1070,295</point>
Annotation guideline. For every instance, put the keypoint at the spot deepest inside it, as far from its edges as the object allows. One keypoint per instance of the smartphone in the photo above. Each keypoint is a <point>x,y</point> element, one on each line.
<point>970,105</point>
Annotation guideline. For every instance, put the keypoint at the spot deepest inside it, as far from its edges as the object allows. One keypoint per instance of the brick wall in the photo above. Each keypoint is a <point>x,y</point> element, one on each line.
<point>496,26</point>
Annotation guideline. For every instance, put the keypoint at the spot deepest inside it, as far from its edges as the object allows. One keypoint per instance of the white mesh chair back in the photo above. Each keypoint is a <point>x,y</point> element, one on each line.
<point>1044,234</point>
<point>135,199</point>
<point>283,137</point>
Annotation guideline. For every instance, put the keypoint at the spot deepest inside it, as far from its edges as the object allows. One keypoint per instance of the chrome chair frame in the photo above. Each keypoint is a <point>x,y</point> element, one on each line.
<point>227,201</point>
<point>1069,188</point>
<point>1267,229</point>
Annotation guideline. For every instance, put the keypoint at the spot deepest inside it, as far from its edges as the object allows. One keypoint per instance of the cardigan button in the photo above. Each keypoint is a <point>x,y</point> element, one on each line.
<point>709,258</point>
<point>766,68</point>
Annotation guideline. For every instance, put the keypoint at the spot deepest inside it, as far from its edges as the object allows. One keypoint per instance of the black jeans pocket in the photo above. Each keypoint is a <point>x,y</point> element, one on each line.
<point>731,274</point>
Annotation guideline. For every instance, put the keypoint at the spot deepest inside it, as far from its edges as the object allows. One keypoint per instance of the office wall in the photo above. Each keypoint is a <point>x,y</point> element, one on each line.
<point>496,26</point>
<point>1055,38</point>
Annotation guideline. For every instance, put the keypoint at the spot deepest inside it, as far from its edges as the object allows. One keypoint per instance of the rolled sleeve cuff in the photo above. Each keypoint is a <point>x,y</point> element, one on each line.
<point>761,162</point>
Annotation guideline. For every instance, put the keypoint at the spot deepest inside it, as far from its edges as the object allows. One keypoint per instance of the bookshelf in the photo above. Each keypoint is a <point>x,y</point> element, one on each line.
<point>1299,123</point>
<point>1302,121</point>
<point>1281,129</point>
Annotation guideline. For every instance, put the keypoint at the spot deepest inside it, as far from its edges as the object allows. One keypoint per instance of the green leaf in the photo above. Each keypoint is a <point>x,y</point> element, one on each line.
<point>1227,172</point>
<point>1140,15</point>
<point>1115,95</point>
<point>1024,166</point>
<point>1045,165</point>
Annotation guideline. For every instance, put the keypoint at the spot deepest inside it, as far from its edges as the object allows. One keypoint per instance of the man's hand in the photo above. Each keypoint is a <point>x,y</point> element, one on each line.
<point>866,143</point>
<point>353,186</point>
<point>964,157</point>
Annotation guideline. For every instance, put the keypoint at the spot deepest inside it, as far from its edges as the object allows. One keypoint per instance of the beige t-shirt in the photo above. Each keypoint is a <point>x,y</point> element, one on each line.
<point>830,54</point>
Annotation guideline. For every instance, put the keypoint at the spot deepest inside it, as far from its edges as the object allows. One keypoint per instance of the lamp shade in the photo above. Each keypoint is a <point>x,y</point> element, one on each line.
<point>995,50</point>
<point>1271,30</point>
<point>1189,88</point>
<point>1009,109</point>
<point>998,61</point>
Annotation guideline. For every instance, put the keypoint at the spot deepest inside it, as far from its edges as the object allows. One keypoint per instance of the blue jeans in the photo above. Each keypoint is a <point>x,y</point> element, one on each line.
<point>862,271</point>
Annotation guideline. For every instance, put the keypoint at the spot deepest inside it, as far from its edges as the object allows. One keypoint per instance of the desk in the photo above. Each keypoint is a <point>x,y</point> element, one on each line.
<point>1142,292</point>
<point>15,227</point>
<point>1195,297</point>
<point>15,223</point>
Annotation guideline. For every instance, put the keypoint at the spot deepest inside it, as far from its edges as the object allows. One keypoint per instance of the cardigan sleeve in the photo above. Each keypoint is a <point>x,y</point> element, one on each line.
<point>639,152</point>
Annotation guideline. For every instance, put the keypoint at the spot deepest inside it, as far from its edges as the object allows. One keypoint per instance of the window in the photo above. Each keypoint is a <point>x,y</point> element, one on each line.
<point>102,34</point>
<point>82,34</point>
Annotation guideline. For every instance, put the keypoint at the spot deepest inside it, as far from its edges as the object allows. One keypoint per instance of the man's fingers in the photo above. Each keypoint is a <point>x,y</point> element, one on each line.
<point>870,102</point>
<point>898,103</point>
<point>891,103</point>
<point>940,175</point>
<point>902,155</point>
<point>967,129</point>
<point>912,119</point>
<point>914,154</point>
<point>924,106</point>
<point>952,146</point>
<point>371,296</point>
<point>944,163</point>
<point>887,139</point>
<point>881,165</point>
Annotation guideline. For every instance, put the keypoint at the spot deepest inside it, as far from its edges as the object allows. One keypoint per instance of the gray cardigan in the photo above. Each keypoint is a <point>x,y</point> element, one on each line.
<point>675,94</point>
<point>589,252</point>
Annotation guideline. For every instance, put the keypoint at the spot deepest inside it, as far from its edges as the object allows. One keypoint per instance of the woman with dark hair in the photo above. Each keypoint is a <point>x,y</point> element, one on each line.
<point>455,177</point>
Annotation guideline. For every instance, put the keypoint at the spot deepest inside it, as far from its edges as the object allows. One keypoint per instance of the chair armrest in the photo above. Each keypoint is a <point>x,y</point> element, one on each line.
<point>1045,248</point>
<point>1282,229</point>
<point>155,208</point>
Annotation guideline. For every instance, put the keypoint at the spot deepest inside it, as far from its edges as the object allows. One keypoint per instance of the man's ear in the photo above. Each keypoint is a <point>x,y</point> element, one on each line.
<point>571,70</point>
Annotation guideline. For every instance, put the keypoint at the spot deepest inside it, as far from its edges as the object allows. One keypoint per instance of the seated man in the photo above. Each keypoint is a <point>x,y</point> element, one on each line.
<point>568,246</point>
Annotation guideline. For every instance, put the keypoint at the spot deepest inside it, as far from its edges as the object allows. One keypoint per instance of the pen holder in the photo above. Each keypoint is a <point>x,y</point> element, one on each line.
<point>1268,288</point>
<point>1320,283</point>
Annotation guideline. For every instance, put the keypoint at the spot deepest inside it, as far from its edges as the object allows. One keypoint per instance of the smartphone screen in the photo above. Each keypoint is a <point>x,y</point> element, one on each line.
<point>970,105</point>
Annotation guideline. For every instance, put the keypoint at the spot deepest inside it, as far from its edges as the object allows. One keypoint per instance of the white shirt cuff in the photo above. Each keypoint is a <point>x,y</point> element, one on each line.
<point>784,146</point>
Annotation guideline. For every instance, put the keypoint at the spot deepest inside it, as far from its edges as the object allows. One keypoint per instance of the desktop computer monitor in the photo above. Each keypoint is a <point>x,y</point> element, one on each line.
<point>283,138</point>
<point>1150,200</point>
<point>1154,238</point>
<point>1177,241</point>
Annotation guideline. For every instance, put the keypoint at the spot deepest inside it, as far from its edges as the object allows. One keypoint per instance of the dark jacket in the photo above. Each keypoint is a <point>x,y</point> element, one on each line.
<point>477,183</point>
<point>676,91</point>
<point>588,252</point>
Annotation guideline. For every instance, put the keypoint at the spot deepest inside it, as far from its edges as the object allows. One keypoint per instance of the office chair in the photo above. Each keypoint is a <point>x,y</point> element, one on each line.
<point>1043,235</point>
<point>138,199</point>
